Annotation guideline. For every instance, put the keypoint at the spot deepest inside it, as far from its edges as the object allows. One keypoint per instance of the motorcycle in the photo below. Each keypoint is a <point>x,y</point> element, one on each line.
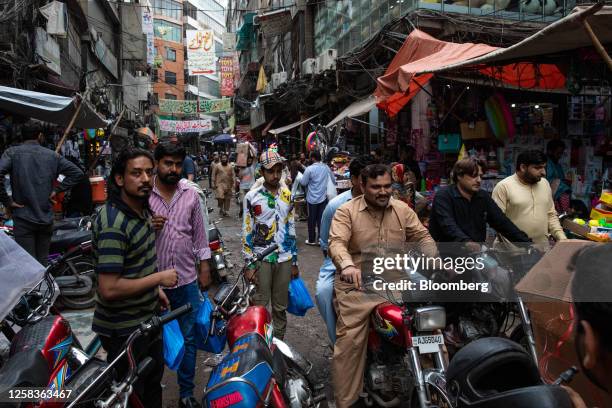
<point>403,334</point>
<point>220,266</point>
<point>45,351</point>
<point>259,369</point>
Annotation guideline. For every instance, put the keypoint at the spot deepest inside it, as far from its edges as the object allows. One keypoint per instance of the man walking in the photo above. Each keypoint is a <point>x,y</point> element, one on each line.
<point>526,199</point>
<point>223,180</point>
<point>315,179</point>
<point>128,291</point>
<point>181,243</point>
<point>325,284</point>
<point>33,169</point>
<point>269,218</point>
<point>214,162</point>
<point>247,179</point>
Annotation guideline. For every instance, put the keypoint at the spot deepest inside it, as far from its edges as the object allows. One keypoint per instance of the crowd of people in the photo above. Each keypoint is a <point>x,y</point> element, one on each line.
<point>151,247</point>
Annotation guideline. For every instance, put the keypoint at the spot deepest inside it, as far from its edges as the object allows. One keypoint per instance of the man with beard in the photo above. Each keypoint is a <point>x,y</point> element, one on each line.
<point>366,226</point>
<point>181,240</point>
<point>526,199</point>
<point>591,295</point>
<point>223,179</point>
<point>461,211</point>
<point>269,218</point>
<point>214,162</point>
<point>129,283</point>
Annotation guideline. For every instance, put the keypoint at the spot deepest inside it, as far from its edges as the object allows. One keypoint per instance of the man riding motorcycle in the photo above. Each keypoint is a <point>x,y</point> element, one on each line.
<point>366,225</point>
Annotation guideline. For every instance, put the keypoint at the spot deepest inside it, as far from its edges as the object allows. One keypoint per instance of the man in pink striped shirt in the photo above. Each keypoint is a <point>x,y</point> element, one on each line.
<point>182,242</point>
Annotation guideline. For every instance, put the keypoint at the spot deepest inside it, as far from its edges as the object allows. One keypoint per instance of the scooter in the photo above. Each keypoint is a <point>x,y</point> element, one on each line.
<point>259,370</point>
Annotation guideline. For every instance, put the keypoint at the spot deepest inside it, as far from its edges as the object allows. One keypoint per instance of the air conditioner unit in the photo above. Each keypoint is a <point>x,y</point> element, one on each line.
<point>278,79</point>
<point>327,60</point>
<point>310,66</point>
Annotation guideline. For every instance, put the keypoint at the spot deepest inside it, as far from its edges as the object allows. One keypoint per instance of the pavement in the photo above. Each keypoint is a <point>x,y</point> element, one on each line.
<point>306,334</point>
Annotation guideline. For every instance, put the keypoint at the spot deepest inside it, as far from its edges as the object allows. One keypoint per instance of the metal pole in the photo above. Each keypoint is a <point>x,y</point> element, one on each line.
<point>76,113</point>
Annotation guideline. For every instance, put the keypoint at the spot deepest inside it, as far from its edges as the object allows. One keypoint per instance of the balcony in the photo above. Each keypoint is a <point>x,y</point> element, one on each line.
<point>192,23</point>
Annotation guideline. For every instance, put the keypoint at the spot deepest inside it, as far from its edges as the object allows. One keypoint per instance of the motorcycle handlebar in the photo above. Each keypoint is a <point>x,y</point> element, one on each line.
<point>266,252</point>
<point>175,313</point>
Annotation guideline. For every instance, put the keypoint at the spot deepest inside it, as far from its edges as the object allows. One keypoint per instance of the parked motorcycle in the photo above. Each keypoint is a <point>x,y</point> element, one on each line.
<point>45,351</point>
<point>259,369</point>
<point>403,334</point>
<point>220,265</point>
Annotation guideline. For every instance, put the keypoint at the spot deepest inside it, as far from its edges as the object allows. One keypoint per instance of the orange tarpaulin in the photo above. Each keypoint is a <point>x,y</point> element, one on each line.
<point>527,75</point>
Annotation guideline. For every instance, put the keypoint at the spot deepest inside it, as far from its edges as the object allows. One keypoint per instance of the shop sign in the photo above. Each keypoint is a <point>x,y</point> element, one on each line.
<point>227,76</point>
<point>185,126</point>
<point>189,107</point>
<point>201,52</point>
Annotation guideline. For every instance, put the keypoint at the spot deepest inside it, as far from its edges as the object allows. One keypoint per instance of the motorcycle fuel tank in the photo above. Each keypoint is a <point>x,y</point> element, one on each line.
<point>387,321</point>
<point>256,319</point>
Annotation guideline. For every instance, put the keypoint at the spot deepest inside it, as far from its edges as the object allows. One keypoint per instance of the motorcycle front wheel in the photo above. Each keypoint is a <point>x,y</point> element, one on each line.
<point>83,266</point>
<point>437,398</point>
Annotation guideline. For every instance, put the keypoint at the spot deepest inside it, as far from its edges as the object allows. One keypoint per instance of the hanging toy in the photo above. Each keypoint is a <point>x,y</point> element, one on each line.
<point>273,147</point>
<point>311,141</point>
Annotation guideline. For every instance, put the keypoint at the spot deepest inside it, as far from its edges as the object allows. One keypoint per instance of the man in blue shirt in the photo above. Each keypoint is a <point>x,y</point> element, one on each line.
<point>325,284</point>
<point>315,179</point>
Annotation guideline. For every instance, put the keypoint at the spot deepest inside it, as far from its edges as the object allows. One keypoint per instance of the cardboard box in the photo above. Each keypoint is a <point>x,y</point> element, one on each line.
<point>547,293</point>
<point>242,153</point>
<point>475,130</point>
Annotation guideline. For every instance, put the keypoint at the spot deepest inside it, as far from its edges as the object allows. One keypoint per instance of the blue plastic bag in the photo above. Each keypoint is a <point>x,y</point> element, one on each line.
<point>204,341</point>
<point>299,298</point>
<point>174,345</point>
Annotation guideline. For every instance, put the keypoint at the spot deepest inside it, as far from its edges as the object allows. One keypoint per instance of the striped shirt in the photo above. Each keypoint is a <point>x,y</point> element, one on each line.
<point>124,244</point>
<point>184,239</point>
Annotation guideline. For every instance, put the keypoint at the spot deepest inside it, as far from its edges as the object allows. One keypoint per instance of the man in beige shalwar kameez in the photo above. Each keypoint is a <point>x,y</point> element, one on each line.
<point>223,181</point>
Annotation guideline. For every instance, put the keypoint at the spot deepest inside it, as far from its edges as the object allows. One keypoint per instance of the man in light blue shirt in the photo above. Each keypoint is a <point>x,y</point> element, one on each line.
<point>315,179</point>
<point>325,284</point>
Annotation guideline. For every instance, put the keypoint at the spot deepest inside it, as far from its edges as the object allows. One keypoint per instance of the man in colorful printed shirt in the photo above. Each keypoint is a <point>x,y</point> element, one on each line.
<point>269,218</point>
<point>181,242</point>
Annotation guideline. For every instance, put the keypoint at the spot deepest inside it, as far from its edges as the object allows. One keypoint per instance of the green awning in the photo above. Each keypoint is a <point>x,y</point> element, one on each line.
<point>245,34</point>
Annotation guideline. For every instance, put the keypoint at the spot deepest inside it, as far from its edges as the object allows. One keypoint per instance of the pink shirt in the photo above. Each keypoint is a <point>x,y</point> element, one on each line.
<point>183,239</point>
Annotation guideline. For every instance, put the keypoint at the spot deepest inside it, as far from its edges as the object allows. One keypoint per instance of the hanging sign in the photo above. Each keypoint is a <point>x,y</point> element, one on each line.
<point>188,107</point>
<point>185,126</point>
<point>201,52</point>
<point>227,76</point>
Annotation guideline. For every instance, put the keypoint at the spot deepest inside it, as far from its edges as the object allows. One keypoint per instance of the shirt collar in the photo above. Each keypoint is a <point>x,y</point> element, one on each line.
<point>126,209</point>
<point>363,204</point>
<point>183,185</point>
<point>457,194</point>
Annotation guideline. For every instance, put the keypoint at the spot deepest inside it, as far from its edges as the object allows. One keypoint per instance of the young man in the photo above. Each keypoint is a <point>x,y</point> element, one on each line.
<point>325,284</point>
<point>366,225</point>
<point>561,187</point>
<point>247,179</point>
<point>592,295</point>
<point>462,210</point>
<point>188,169</point>
<point>526,199</point>
<point>126,268</point>
<point>33,169</point>
<point>269,218</point>
<point>223,180</point>
<point>181,242</point>
<point>315,179</point>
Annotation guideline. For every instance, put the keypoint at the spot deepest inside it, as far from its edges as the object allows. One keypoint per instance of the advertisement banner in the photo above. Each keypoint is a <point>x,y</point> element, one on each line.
<point>236,70</point>
<point>189,107</point>
<point>229,42</point>
<point>227,76</point>
<point>201,52</point>
<point>185,126</point>
<point>147,29</point>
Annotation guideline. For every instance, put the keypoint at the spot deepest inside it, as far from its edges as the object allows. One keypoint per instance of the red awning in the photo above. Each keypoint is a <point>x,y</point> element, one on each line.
<point>422,56</point>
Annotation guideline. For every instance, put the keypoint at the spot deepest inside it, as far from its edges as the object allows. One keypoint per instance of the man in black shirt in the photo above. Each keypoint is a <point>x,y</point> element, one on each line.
<point>461,211</point>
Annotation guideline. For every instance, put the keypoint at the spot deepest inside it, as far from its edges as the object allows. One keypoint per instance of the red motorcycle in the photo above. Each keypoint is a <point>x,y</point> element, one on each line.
<point>405,337</point>
<point>259,370</point>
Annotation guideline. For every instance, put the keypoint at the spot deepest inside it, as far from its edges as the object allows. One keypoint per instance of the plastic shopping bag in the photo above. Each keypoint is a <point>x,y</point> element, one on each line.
<point>299,298</point>
<point>214,343</point>
<point>174,345</point>
<point>331,187</point>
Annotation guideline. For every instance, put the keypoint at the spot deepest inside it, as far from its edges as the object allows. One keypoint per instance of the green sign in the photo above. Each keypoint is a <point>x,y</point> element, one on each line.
<point>189,107</point>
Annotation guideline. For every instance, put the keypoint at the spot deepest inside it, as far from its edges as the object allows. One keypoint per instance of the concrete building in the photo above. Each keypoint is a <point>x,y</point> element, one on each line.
<point>168,75</point>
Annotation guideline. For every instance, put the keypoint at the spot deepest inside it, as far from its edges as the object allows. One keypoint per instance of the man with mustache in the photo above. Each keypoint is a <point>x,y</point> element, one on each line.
<point>129,283</point>
<point>461,211</point>
<point>223,179</point>
<point>366,226</point>
<point>181,242</point>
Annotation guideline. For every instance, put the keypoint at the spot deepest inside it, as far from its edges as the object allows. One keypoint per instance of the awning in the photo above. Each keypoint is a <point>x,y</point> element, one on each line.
<point>268,126</point>
<point>355,109</point>
<point>49,108</point>
<point>283,129</point>
<point>422,55</point>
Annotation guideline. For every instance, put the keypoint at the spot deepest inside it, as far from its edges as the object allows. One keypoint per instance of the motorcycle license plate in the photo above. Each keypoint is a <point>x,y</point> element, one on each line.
<point>428,344</point>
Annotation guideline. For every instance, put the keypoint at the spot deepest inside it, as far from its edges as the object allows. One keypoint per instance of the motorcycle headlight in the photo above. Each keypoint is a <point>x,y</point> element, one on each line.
<point>219,261</point>
<point>430,318</point>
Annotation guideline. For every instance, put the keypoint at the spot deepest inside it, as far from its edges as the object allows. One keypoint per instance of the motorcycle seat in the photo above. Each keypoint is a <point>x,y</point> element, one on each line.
<point>28,368</point>
<point>249,359</point>
<point>35,336</point>
<point>541,396</point>
<point>62,240</point>
<point>67,224</point>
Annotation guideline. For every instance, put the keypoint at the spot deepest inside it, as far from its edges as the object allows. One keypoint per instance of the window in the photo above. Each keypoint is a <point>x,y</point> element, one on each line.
<point>170,54</point>
<point>155,75</point>
<point>170,78</point>
<point>168,8</point>
<point>168,31</point>
<point>170,96</point>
